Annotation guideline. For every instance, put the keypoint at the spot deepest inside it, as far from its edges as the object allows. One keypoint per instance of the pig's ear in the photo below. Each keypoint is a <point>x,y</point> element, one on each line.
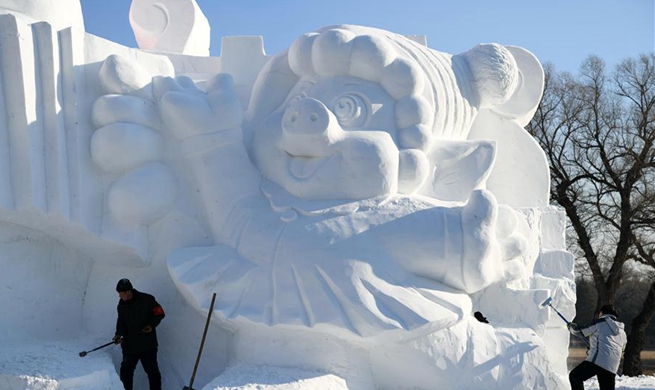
<point>457,168</point>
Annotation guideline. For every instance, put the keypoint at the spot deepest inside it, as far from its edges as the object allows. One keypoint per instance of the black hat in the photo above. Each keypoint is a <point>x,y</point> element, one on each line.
<point>609,309</point>
<point>124,285</point>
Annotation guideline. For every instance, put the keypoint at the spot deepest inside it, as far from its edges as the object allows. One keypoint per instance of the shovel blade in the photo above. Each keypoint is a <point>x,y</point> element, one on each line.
<point>187,388</point>
<point>547,302</point>
<point>82,354</point>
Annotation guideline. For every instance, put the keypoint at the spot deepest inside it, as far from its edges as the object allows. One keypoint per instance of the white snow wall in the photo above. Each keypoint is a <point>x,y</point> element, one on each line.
<point>43,285</point>
<point>59,257</point>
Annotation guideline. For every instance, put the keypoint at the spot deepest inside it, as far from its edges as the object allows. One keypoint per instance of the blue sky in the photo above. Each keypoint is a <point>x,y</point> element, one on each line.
<point>563,32</point>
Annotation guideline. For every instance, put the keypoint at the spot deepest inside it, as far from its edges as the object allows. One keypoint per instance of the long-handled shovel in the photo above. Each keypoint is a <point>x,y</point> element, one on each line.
<point>548,302</point>
<point>84,353</point>
<point>202,344</point>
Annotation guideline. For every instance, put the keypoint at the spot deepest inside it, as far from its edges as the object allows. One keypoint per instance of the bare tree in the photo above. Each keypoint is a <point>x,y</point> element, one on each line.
<point>598,132</point>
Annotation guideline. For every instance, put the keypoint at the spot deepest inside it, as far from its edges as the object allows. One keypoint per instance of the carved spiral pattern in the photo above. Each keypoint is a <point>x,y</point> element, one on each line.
<point>152,18</point>
<point>351,110</point>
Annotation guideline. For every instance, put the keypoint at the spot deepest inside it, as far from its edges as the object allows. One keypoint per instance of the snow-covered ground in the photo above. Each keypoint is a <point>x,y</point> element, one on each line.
<point>626,383</point>
<point>33,365</point>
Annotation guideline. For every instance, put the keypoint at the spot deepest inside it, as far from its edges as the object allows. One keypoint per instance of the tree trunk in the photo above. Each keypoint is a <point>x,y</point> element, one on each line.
<point>632,357</point>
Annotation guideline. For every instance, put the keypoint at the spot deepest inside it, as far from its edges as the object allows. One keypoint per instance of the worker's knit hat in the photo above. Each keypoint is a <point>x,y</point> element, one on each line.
<point>124,285</point>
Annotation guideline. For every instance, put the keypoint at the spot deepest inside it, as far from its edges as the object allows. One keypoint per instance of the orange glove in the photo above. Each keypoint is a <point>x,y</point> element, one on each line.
<point>118,339</point>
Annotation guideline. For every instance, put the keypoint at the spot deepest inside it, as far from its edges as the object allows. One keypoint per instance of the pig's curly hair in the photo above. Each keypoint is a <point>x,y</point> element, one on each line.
<point>440,88</point>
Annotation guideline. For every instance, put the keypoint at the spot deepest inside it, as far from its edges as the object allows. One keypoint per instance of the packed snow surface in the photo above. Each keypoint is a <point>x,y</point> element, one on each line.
<point>626,383</point>
<point>34,365</point>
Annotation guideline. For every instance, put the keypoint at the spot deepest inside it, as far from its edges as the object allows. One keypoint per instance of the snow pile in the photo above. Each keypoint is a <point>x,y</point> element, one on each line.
<point>35,365</point>
<point>642,382</point>
<point>249,377</point>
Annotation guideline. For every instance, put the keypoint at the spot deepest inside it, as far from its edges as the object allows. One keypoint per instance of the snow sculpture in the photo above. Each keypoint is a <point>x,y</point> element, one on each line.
<point>59,14</point>
<point>351,207</point>
<point>170,26</point>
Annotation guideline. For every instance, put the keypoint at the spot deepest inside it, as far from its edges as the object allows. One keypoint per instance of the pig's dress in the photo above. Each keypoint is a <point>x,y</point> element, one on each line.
<point>333,267</point>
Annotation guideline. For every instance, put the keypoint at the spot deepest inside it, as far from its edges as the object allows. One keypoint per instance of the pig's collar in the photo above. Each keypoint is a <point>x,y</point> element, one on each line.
<point>285,203</point>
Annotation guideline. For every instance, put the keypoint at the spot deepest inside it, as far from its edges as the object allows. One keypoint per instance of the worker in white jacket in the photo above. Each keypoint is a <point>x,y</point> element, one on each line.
<point>607,341</point>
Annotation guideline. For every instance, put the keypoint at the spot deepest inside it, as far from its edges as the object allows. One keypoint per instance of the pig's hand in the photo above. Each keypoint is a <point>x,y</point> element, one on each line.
<point>188,112</point>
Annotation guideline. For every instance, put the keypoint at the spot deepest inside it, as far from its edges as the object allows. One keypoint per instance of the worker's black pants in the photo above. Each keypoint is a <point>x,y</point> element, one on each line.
<point>148,361</point>
<point>586,370</point>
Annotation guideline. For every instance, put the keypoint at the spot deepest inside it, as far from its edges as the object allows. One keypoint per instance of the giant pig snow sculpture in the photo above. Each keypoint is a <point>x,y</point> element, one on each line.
<point>349,199</point>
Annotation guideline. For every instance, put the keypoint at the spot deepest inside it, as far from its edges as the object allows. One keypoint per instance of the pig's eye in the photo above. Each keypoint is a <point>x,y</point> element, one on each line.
<point>352,110</point>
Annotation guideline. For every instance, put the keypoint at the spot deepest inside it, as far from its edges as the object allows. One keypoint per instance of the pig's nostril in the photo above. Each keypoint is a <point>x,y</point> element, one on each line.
<point>313,117</point>
<point>294,117</point>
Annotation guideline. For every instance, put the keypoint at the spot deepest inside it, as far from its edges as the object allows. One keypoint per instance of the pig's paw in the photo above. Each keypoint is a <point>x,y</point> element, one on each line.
<point>187,112</point>
<point>513,243</point>
<point>490,241</point>
<point>128,146</point>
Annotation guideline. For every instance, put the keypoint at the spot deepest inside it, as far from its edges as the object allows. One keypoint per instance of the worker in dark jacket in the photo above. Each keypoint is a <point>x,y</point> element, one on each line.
<point>607,341</point>
<point>138,316</point>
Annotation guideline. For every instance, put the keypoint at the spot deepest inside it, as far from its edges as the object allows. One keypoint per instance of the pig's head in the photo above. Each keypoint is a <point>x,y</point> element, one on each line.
<point>352,112</point>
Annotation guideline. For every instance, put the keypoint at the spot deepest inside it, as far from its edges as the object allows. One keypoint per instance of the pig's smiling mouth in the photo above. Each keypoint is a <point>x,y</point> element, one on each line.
<point>303,167</point>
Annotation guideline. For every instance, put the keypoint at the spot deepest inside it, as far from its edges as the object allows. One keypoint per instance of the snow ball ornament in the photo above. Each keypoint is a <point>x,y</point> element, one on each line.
<point>495,73</point>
